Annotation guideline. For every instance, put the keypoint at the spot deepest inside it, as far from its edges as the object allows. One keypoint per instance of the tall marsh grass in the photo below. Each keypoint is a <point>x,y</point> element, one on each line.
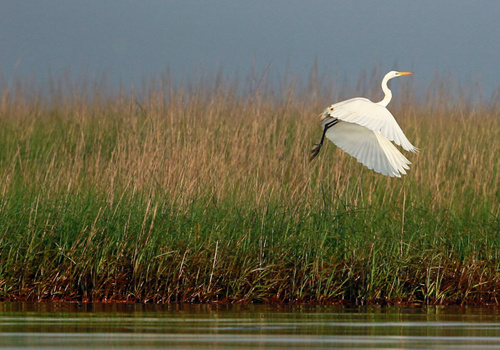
<point>204,193</point>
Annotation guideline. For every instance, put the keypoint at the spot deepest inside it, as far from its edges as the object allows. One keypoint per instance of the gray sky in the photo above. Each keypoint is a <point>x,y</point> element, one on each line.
<point>133,39</point>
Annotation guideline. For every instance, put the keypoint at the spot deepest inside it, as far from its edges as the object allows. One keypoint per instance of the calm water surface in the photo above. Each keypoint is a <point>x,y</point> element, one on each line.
<point>119,326</point>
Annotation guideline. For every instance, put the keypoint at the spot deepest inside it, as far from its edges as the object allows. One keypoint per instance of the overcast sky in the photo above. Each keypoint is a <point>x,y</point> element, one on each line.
<point>129,40</point>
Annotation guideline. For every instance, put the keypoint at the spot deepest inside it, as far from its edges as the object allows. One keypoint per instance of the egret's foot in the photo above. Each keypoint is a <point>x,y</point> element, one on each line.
<point>314,152</point>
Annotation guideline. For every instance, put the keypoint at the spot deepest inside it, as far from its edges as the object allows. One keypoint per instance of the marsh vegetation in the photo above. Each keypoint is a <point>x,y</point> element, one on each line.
<point>203,192</point>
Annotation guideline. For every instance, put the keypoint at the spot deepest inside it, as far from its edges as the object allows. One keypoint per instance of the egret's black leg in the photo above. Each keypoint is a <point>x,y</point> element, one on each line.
<point>317,147</point>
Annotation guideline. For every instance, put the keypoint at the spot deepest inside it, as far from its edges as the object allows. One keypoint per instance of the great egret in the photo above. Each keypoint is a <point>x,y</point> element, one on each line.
<point>364,129</point>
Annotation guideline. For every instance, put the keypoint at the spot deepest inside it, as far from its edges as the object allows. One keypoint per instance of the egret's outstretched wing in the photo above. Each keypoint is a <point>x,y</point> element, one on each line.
<point>369,147</point>
<point>373,116</point>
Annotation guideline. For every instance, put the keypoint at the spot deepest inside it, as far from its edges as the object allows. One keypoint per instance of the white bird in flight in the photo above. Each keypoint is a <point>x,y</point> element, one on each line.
<point>364,129</point>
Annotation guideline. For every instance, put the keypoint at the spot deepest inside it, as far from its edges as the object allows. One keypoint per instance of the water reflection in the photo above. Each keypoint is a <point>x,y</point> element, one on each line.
<point>138,326</point>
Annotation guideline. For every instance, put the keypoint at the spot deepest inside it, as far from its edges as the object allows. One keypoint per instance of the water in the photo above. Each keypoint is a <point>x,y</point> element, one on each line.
<point>126,326</point>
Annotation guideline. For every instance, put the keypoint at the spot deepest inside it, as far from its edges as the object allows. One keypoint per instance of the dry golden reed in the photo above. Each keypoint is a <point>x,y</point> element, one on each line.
<point>187,142</point>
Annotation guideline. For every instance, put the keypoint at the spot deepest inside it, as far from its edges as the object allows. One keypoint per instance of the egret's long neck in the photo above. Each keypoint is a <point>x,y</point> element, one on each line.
<point>387,92</point>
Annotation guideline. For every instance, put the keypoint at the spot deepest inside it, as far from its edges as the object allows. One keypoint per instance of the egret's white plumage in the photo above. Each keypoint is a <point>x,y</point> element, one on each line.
<point>364,129</point>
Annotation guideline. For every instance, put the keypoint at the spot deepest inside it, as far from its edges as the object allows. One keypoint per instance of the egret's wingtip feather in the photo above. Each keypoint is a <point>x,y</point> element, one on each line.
<point>370,148</point>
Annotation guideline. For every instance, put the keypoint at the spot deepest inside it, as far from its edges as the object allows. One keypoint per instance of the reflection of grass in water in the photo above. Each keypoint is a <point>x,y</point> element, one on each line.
<point>204,195</point>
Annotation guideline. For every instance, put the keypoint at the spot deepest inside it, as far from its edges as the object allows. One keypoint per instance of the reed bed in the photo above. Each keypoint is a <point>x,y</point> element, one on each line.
<point>203,192</point>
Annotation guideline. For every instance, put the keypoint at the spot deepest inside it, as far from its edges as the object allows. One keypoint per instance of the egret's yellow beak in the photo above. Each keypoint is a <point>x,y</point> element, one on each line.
<point>405,73</point>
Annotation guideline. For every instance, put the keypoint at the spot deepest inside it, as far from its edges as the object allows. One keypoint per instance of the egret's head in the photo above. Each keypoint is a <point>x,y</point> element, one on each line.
<point>394,74</point>
<point>403,73</point>
<point>388,95</point>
